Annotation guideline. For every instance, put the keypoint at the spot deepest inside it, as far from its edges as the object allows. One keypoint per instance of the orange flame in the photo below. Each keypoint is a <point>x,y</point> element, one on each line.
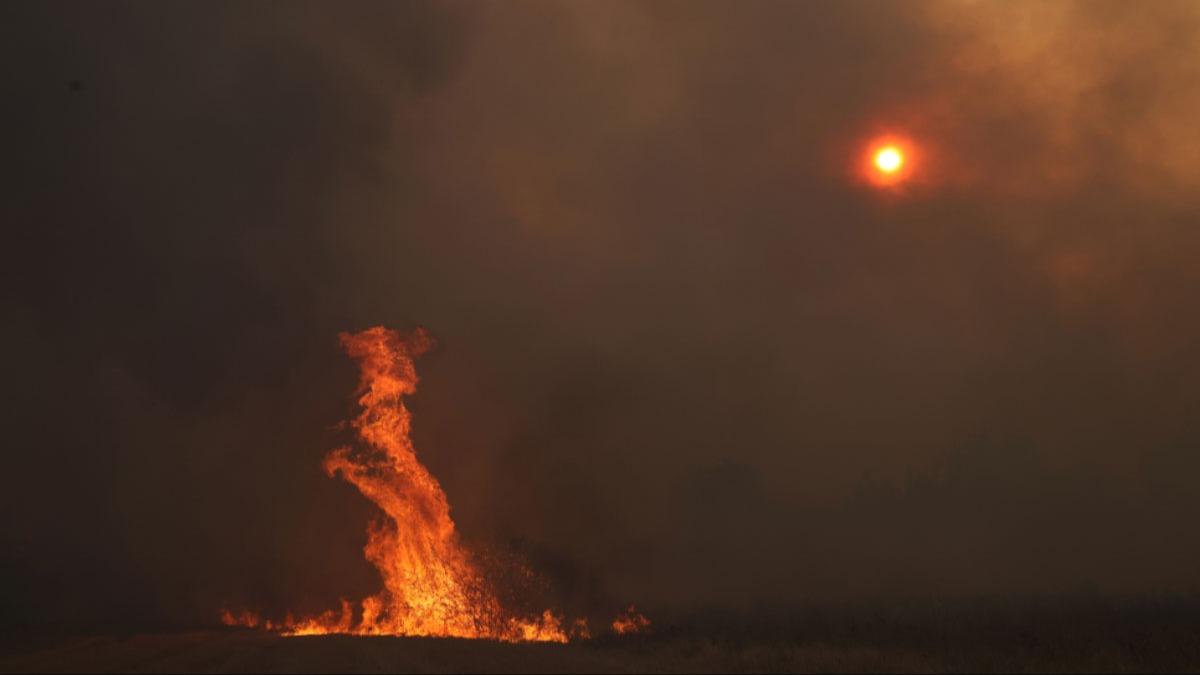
<point>431,584</point>
<point>629,622</point>
<point>243,619</point>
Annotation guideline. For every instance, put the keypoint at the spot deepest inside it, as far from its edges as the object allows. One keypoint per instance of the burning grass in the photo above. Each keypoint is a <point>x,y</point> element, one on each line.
<point>433,585</point>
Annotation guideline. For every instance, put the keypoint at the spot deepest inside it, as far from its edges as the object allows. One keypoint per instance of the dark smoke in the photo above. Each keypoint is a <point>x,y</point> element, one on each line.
<point>685,357</point>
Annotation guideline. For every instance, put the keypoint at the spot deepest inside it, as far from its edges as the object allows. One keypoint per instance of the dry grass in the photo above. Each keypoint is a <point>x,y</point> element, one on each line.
<point>1073,637</point>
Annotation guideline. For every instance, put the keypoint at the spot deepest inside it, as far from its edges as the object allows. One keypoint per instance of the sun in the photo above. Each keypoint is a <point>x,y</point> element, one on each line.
<point>889,159</point>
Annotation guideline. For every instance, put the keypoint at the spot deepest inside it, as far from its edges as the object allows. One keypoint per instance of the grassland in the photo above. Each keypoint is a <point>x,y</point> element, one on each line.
<point>1162,636</point>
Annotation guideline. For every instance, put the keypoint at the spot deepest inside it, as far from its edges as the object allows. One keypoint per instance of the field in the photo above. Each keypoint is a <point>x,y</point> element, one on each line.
<point>1031,637</point>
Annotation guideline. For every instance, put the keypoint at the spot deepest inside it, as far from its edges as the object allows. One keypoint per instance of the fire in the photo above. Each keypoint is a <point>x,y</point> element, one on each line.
<point>432,585</point>
<point>245,619</point>
<point>630,621</point>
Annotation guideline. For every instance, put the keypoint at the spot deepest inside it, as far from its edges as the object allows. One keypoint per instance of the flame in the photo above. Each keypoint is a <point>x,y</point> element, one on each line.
<point>432,585</point>
<point>244,619</point>
<point>630,621</point>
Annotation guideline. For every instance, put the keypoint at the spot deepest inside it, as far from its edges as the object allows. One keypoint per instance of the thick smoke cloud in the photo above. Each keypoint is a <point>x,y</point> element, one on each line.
<point>686,357</point>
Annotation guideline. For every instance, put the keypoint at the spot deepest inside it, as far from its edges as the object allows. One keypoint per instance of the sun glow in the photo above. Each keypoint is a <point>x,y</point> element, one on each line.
<point>889,159</point>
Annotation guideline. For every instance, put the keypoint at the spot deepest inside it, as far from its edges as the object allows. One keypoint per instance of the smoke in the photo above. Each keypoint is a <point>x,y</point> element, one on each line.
<point>684,357</point>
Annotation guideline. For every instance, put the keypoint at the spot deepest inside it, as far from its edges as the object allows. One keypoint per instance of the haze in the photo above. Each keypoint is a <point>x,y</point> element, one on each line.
<point>687,356</point>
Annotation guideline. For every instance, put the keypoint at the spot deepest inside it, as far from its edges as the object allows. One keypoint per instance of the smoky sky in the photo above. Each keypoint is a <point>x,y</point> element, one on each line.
<point>686,356</point>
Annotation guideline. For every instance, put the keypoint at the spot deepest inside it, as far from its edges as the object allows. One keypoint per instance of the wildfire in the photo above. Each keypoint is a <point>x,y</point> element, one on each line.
<point>432,585</point>
<point>630,621</point>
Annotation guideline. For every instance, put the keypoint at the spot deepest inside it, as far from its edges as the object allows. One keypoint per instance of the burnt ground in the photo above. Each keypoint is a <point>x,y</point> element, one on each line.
<point>1141,637</point>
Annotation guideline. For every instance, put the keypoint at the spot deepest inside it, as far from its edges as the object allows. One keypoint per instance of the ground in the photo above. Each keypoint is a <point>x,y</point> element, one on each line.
<point>240,652</point>
<point>1155,636</point>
